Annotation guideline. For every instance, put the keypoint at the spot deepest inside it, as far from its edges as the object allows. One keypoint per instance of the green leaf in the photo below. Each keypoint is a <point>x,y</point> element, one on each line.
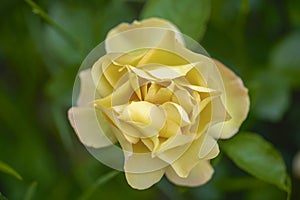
<point>2,197</point>
<point>285,58</point>
<point>270,95</point>
<point>258,157</point>
<point>189,15</point>
<point>30,191</point>
<point>39,11</point>
<point>100,181</point>
<point>8,170</point>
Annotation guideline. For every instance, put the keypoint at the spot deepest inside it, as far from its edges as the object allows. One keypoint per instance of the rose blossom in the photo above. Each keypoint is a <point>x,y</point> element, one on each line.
<point>164,104</point>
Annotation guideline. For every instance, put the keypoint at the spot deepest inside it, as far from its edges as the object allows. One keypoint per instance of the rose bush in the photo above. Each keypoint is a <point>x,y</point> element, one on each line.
<point>164,104</point>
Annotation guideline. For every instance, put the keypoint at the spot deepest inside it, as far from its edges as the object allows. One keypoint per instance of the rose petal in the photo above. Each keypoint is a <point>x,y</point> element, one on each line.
<point>184,99</point>
<point>85,122</point>
<point>214,112</point>
<point>183,165</point>
<point>87,88</point>
<point>144,180</point>
<point>199,175</point>
<point>136,35</point>
<point>171,155</point>
<point>175,141</point>
<point>209,149</point>
<point>146,117</point>
<point>139,162</point>
<point>157,94</point>
<point>176,113</point>
<point>236,102</point>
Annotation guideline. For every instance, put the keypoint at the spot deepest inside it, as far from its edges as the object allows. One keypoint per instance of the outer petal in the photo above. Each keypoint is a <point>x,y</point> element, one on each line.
<point>86,124</point>
<point>145,180</point>
<point>236,102</point>
<point>199,175</point>
<point>209,149</point>
<point>183,165</point>
<point>87,88</point>
<point>127,37</point>
<point>141,163</point>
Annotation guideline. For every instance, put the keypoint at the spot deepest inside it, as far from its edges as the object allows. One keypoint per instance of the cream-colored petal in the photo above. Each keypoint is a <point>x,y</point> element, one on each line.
<point>143,162</point>
<point>184,99</point>
<point>209,148</point>
<point>199,175</point>
<point>144,180</point>
<point>174,141</point>
<point>171,155</point>
<point>176,113</point>
<point>134,81</point>
<point>166,72</point>
<point>183,165</point>
<point>86,124</point>
<point>148,118</point>
<point>214,112</point>
<point>236,102</point>
<point>127,37</point>
<point>151,143</point>
<point>87,88</point>
<point>119,97</point>
<point>103,86</point>
<point>158,95</point>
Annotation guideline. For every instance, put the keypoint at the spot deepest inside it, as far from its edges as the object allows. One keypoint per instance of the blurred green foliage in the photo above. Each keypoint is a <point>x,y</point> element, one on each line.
<point>39,59</point>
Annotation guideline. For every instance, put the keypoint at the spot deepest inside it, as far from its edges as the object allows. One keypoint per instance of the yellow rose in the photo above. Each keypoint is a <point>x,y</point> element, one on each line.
<point>165,105</point>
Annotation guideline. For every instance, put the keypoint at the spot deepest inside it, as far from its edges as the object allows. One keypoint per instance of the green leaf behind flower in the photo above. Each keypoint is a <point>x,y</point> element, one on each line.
<point>2,197</point>
<point>189,15</point>
<point>285,58</point>
<point>259,158</point>
<point>8,170</point>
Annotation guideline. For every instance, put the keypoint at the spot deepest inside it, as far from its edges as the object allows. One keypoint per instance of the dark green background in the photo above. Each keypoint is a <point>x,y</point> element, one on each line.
<point>259,40</point>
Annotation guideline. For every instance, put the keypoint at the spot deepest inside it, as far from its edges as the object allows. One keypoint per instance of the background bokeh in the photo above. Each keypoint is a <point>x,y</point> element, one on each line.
<point>42,46</point>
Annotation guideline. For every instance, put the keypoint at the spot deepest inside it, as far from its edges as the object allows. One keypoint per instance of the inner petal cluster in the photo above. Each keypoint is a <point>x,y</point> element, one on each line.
<point>156,107</point>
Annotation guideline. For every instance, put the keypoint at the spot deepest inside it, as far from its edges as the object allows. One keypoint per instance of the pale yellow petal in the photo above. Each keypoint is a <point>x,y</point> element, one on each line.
<point>127,37</point>
<point>119,97</point>
<point>199,175</point>
<point>171,155</point>
<point>174,141</point>
<point>184,99</point>
<point>158,95</point>
<point>104,88</point>
<point>146,117</point>
<point>85,122</point>
<point>236,101</point>
<point>144,180</point>
<point>166,72</point>
<point>183,165</point>
<point>139,162</point>
<point>176,113</point>
<point>214,112</point>
<point>209,148</point>
<point>87,88</point>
